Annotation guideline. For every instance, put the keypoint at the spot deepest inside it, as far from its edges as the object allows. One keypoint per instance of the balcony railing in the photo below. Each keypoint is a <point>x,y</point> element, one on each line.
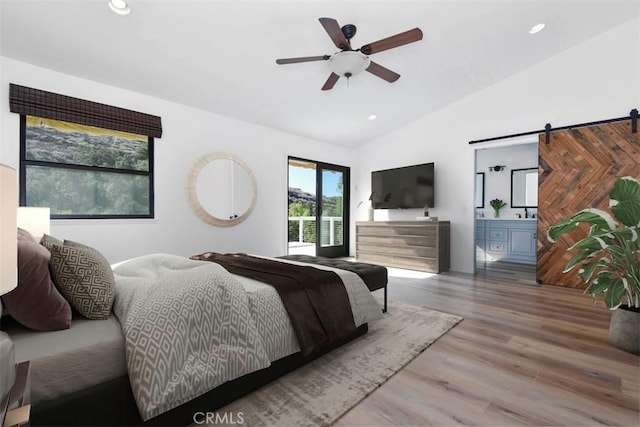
<point>302,229</point>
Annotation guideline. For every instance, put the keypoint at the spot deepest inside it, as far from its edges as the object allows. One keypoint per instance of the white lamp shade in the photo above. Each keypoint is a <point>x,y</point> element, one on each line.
<point>120,7</point>
<point>35,220</point>
<point>348,62</point>
<point>8,229</point>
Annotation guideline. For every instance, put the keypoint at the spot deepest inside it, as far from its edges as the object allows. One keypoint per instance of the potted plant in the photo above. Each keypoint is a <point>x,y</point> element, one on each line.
<point>497,204</point>
<point>609,259</point>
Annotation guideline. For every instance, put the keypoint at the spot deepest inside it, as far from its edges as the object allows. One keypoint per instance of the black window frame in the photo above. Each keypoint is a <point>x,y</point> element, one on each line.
<point>24,163</point>
<point>327,251</point>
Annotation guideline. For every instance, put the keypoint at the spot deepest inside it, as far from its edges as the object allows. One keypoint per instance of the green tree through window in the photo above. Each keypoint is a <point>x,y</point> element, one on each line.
<point>309,228</point>
<point>86,172</point>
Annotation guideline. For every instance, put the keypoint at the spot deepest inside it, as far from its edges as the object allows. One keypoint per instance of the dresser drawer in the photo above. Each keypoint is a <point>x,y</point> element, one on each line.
<point>415,245</point>
<point>497,234</point>
<point>499,247</point>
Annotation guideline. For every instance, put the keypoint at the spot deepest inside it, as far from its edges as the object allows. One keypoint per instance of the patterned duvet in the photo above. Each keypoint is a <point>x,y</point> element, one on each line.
<point>190,326</point>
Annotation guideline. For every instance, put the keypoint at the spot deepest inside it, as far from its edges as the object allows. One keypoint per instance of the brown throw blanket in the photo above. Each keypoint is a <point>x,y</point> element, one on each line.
<point>316,300</point>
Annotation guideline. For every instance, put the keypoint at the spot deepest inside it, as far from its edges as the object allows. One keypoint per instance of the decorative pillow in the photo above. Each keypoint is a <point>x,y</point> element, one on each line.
<point>35,302</point>
<point>47,241</point>
<point>83,275</point>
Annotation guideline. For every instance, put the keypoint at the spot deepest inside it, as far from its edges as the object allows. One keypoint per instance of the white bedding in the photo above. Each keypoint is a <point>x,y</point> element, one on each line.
<point>91,352</point>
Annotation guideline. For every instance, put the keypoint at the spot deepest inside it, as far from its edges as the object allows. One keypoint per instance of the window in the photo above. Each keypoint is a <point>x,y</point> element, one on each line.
<point>84,171</point>
<point>83,159</point>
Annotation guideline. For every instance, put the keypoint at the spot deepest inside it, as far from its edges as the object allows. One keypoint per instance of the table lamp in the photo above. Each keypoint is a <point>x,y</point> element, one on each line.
<point>8,273</point>
<point>35,220</point>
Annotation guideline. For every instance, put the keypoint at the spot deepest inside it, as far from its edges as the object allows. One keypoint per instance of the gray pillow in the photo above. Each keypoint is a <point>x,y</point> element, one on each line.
<point>35,302</point>
<point>47,241</point>
<point>83,275</point>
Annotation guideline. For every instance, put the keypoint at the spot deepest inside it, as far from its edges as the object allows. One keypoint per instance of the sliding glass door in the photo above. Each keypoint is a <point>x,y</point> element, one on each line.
<point>318,208</point>
<point>333,223</point>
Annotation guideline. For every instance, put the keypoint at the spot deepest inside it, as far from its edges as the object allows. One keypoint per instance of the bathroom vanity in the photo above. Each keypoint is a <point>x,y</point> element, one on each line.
<point>512,240</point>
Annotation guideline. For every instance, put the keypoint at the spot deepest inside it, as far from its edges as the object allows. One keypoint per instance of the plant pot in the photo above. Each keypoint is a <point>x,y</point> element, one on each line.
<point>496,213</point>
<point>370,214</point>
<point>624,329</point>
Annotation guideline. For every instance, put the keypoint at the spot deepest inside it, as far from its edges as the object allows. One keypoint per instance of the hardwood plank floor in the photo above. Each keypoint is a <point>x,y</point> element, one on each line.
<point>525,354</point>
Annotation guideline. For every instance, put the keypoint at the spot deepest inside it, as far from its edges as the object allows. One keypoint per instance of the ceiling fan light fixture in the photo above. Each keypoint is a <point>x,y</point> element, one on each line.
<point>348,63</point>
<point>120,7</point>
<point>537,28</point>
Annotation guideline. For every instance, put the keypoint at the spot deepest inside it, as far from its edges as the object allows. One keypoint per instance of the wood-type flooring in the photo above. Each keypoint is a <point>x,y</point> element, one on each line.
<point>525,354</point>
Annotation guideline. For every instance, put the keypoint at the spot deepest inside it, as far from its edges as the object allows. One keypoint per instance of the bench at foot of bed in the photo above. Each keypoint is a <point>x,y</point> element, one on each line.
<point>374,276</point>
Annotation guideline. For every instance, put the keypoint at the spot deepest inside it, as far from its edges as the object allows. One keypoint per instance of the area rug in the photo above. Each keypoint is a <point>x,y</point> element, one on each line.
<point>320,392</point>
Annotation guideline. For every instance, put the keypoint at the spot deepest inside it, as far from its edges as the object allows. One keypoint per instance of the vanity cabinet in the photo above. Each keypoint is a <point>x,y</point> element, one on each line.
<point>507,240</point>
<point>480,240</point>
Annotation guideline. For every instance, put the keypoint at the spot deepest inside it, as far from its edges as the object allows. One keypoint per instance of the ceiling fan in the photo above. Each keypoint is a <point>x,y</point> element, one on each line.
<point>349,62</point>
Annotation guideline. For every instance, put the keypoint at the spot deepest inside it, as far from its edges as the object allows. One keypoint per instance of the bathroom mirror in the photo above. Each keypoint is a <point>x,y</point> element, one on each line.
<point>524,188</point>
<point>221,189</point>
<point>480,190</point>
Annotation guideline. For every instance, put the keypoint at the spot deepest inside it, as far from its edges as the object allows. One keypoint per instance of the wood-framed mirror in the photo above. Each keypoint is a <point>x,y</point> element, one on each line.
<point>221,189</point>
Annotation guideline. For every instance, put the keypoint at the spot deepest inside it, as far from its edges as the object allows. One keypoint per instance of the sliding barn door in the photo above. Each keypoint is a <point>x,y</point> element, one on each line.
<point>577,170</point>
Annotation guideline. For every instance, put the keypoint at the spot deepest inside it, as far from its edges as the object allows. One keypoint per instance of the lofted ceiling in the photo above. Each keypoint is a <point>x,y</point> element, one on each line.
<point>219,55</point>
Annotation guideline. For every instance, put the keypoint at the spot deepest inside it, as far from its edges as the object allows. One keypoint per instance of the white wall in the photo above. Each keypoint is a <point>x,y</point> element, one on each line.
<point>593,81</point>
<point>188,134</point>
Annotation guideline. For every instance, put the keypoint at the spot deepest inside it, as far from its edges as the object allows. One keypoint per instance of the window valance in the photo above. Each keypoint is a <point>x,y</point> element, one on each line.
<point>40,103</point>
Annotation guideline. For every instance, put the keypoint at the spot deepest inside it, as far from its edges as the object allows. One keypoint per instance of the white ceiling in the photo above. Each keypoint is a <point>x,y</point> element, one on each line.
<point>220,55</point>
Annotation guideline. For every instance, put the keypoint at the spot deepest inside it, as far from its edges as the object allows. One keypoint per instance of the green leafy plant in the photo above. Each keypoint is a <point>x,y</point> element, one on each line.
<point>497,204</point>
<point>609,255</point>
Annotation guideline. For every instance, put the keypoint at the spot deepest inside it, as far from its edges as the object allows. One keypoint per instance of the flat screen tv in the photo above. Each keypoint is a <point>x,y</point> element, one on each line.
<point>403,188</point>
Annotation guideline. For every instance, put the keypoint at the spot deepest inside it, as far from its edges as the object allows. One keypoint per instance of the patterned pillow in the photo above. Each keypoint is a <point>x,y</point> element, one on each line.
<point>47,241</point>
<point>83,275</point>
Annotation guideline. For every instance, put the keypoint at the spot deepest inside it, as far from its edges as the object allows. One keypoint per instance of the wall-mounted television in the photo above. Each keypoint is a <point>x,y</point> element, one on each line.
<point>403,188</point>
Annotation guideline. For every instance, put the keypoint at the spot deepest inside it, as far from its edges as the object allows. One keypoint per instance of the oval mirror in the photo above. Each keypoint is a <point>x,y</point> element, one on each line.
<point>221,189</point>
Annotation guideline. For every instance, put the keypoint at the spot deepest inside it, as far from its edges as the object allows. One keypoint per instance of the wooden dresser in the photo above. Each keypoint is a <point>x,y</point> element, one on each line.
<point>414,245</point>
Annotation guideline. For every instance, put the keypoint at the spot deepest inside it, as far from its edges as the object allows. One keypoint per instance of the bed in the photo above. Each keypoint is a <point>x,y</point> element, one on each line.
<point>83,375</point>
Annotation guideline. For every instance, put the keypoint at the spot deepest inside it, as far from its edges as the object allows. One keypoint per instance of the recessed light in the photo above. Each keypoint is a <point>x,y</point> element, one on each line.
<point>536,28</point>
<point>120,7</point>
<point>373,117</point>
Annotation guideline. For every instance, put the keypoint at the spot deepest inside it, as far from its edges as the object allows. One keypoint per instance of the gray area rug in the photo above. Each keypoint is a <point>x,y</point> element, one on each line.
<point>318,393</point>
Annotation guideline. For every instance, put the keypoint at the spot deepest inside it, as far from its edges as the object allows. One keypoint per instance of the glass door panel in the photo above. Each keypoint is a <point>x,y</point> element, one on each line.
<point>318,208</point>
<point>302,207</point>
<point>333,224</point>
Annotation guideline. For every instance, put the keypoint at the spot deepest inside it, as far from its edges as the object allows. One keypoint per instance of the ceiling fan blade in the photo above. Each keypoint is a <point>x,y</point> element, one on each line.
<point>302,59</point>
<point>332,28</point>
<point>383,73</point>
<point>331,81</point>
<point>393,41</point>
